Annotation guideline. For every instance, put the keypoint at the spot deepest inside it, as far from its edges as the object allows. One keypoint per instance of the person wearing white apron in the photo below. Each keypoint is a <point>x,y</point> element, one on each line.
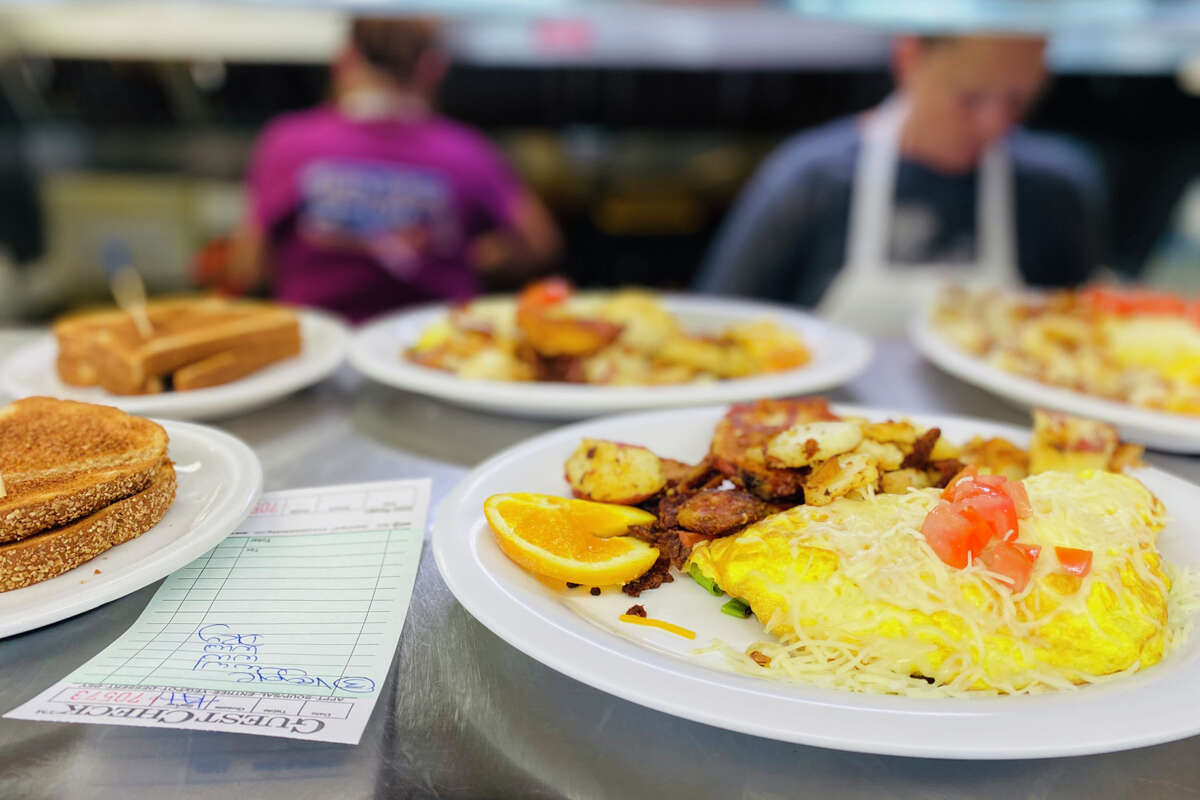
<point>865,217</point>
<point>878,297</point>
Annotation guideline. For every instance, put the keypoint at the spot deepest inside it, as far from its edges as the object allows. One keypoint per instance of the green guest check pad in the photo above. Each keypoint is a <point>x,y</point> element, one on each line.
<point>287,628</point>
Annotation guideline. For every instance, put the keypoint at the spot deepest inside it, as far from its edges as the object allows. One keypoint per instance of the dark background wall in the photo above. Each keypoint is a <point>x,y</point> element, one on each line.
<point>639,165</point>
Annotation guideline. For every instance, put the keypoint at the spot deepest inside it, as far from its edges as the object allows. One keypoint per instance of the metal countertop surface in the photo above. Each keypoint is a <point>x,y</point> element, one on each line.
<point>465,715</point>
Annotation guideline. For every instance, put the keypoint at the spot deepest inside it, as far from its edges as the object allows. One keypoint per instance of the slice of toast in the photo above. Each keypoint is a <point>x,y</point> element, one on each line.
<point>74,332</point>
<point>234,363</point>
<point>106,348</point>
<point>53,552</point>
<point>61,460</point>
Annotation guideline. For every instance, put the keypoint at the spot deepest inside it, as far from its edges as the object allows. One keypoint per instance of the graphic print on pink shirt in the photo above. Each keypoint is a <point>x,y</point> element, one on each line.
<point>400,215</point>
<point>365,217</point>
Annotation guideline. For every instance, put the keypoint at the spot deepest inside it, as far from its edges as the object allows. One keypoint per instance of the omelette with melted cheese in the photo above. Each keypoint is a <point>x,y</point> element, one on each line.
<point>856,598</point>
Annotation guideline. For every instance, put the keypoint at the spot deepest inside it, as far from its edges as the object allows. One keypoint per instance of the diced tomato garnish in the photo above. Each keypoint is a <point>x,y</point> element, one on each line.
<point>1011,560</point>
<point>549,292</point>
<point>995,509</point>
<point>1016,492</point>
<point>1014,489</point>
<point>968,473</point>
<point>950,534</point>
<point>1031,550</point>
<point>1074,561</point>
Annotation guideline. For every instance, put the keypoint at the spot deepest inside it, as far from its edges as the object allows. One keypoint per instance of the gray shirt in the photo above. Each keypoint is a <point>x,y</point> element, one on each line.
<point>786,238</point>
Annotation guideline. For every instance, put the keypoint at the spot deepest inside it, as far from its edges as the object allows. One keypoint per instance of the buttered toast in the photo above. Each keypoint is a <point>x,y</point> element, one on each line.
<point>61,460</point>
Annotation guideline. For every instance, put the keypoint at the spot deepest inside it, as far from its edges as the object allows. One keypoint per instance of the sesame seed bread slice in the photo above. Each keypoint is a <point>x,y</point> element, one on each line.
<point>53,552</point>
<point>61,460</point>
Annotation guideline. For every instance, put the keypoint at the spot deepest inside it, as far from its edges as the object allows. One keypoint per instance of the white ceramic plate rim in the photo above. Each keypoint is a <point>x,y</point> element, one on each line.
<point>1161,429</point>
<point>984,728</point>
<point>69,597</point>
<point>30,370</point>
<point>839,354</point>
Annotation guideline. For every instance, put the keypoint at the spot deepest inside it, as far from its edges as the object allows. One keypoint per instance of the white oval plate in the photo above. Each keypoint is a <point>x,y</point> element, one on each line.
<point>219,481</point>
<point>1161,430</point>
<point>838,355</point>
<point>580,635</point>
<point>30,371</point>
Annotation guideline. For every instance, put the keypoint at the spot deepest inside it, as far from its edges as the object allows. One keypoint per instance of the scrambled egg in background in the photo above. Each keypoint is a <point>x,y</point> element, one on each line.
<point>858,600</point>
<point>1169,346</point>
<point>1151,360</point>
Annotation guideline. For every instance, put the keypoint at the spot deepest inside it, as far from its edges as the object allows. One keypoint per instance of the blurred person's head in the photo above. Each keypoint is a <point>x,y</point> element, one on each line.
<point>965,92</point>
<point>402,55</point>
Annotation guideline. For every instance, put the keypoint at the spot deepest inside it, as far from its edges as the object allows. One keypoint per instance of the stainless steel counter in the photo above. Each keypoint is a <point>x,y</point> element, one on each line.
<point>465,715</point>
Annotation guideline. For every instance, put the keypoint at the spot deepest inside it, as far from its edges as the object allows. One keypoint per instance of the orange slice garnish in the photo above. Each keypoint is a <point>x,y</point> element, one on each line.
<point>571,540</point>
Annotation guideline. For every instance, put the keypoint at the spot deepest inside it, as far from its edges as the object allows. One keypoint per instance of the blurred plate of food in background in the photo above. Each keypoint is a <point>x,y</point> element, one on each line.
<point>1126,356</point>
<point>553,353</point>
<point>867,634</point>
<point>200,358</point>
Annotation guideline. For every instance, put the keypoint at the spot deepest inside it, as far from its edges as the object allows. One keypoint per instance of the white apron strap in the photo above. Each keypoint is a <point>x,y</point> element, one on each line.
<point>995,209</point>
<point>874,188</point>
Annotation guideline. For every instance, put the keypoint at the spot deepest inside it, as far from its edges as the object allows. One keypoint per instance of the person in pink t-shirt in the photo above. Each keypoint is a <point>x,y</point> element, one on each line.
<point>375,202</point>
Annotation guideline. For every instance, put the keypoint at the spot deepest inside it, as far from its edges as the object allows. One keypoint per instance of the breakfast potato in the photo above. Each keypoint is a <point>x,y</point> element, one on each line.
<point>551,335</point>
<point>707,355</point>
<point>1070,444</point>
<point>810,443</point>
<point>740,438</point>
<point>884,456</point>
<point>899,481</point>
<point>893,431</point>
<point>612,472</point>
<point>943,449</point>
<point>838,477</point>
<point>996,455</point>
<point>770,347</point>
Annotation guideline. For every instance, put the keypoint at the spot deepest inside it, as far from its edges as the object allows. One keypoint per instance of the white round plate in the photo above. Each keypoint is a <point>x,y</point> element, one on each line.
<point>1161,430</point>
<point>30,371</point>
<point>219,481</point>
<point>580,635</point>
<point>838,355</point>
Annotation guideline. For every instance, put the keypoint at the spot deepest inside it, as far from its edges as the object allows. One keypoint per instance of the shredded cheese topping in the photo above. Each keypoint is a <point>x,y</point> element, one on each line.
<point>859,601</point>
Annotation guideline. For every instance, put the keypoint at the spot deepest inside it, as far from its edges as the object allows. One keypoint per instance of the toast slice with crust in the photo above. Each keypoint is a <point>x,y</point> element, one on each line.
<point>105,347</point>
<point>55,551</point>
<point>235,363</point>
<point>74,333</point>
<point>63,460</point>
